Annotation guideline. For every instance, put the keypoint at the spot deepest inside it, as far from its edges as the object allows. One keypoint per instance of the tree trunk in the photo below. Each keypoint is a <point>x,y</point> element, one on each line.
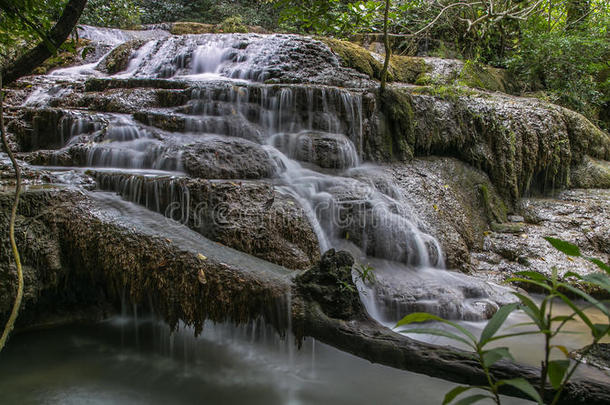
<point>58,34</point>
<point>388,49</point>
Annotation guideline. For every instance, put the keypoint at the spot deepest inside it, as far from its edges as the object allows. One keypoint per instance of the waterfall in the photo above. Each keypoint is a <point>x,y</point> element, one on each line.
<point>231,121</point>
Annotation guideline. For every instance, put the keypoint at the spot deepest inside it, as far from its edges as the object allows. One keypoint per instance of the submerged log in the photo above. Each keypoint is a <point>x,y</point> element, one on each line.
<point>371,341</point>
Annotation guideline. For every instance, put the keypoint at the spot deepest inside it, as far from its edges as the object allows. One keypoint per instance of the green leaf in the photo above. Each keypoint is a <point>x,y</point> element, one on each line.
<point>438,332</point>
<point>418,317</point>
<point>496,322</point>
<point>557,370</point>
<point>565,247</point>
<point>490,357</point>
<point>533,275</point>
<point>598,279</point>
<point>472,399</point>
<point>596,303</point>
<point>578,311</point>
<point>509,335</point>
<point>530,281</point>
<point>531,309</point>
<point>563,349</point>
<point>524,386</point>
<point>450,396</point>
<point>600,264</point>
<point>572,274</point>
<point>601,329</point>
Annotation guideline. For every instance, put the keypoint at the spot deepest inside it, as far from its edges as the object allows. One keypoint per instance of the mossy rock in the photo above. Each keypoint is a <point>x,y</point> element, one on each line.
<point>185,28</point>
<point>356,57</point>
<point>447,92</point>
<point>408,69</point>
<point>395,135</point>
<point>118,59</point>
<point>330,284</point>
<point>592,173</point>
<point>402,68</point>
<point>507,228</point>
<point>60,60</point>
<point>495,208</point>
<point>487,78</point>
<point>71,53</point>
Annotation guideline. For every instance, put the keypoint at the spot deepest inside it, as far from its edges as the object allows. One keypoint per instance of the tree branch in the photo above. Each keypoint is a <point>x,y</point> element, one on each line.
<point>56,36</point>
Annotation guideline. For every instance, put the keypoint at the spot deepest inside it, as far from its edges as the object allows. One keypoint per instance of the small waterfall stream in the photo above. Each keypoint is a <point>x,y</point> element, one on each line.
<point>312,137</point>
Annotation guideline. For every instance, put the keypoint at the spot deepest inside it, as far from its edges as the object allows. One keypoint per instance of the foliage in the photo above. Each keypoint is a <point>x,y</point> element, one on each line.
<point>113,13</point>
<point>257,12</point>
<point>555,372</point>
<point>233,24</point>
<point>333,17</point>
<point>365,273</point>
<point>24,23</point>
<point>567,63</point>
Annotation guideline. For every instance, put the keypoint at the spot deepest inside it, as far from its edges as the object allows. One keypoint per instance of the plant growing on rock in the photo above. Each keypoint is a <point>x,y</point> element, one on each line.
<point>557,373</point>
<point>365,273</point>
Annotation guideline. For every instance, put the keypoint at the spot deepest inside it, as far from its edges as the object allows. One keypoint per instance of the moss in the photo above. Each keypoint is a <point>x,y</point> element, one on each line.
<point>507,228</point>
<point>355,57</point>
<point>330,284</point>
<point>447,92</point>
<point>424,80</point>
<point>118,59</point>
<point>69,54</point>
<point>398,124</point>
<point>408,69</point>
<point>402,68</point>
<point>495,209</point>
<point>485,77</point>
<point>184,28</point>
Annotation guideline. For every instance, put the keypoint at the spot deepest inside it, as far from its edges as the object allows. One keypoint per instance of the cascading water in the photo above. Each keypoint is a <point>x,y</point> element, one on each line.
<point>313,136</point>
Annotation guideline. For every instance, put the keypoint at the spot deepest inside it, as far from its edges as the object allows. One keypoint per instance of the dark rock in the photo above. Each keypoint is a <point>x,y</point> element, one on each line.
<point>226,158</point>
<point>329,151</point>
<point>330,284</point>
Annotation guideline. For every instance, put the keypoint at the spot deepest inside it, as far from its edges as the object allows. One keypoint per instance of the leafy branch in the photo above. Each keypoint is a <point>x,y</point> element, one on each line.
<point>555,372</point>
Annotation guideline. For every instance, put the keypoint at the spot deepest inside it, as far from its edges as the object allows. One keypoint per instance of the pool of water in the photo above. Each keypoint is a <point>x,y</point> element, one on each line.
<point>121,361</point>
